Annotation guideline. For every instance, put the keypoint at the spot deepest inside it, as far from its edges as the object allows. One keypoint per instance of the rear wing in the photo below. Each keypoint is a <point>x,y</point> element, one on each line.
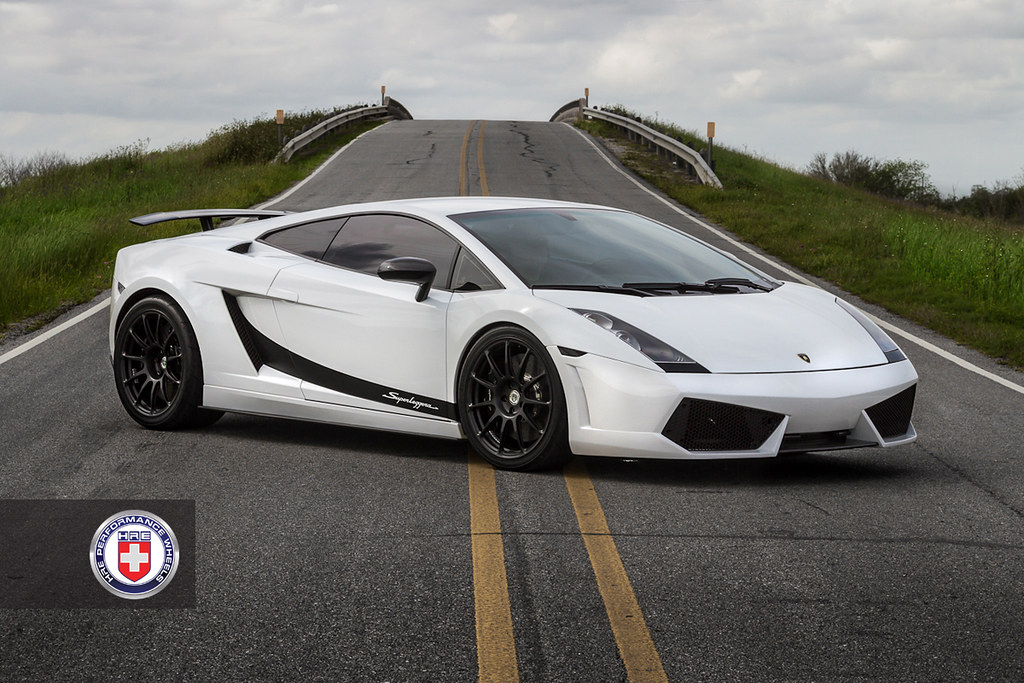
<point>205,216</point>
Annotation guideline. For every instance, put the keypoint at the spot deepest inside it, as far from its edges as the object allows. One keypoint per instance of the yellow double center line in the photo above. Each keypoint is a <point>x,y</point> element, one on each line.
<point>495,638</point>
<point>627,620</point>
<point>495,642</point>
<point>463,162</point>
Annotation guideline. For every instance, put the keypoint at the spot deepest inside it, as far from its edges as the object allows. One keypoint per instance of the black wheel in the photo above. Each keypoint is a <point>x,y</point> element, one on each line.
<point>157,368</point>
<point>511,403</point>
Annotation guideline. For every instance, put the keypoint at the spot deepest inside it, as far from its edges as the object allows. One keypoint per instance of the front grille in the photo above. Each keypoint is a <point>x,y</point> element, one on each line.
<point>891,417</point>
<point>699,425</point>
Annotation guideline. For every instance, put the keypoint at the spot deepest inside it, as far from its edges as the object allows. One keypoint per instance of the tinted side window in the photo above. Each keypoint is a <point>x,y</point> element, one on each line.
<point>470,275</point>
<point>309,239</point>
<point>366,241</point>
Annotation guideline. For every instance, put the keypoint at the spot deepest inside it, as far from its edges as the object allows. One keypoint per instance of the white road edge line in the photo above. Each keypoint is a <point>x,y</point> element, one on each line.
<point>942,353</point>
<point>50,334</point>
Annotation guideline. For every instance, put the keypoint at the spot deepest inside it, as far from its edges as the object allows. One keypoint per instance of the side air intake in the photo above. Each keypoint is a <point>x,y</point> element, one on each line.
<point>242,327</point>
<point>891,417</point>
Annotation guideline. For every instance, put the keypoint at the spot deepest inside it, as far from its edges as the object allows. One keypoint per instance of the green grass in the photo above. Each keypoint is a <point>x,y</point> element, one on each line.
<point>959,276</point>
<point>60,231</point>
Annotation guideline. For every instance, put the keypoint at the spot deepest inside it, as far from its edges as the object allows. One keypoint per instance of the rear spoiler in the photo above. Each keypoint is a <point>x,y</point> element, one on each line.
<point>205,216</point>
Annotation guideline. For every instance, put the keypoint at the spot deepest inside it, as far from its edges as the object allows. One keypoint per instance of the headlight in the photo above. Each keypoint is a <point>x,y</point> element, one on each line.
<point>892,352</point>
<point>666,357</point>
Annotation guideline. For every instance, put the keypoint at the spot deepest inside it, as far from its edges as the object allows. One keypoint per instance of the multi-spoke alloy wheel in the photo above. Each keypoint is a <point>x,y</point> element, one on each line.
<point>511,402</point>
<point>157,367</point>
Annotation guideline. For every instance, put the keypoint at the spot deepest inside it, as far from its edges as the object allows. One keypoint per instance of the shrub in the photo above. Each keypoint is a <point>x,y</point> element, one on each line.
<point>255,141</point>
<point>896,179</point>
<point>1004,202</point>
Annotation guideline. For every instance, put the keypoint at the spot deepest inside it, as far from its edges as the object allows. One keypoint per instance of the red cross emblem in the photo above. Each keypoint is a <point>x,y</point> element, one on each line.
<point>133,559</point>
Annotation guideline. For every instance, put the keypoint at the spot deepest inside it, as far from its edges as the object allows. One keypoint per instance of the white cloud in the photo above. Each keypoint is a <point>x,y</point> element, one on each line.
<point>500,26</point>
<point>743,84</point>
<point>785,78</point>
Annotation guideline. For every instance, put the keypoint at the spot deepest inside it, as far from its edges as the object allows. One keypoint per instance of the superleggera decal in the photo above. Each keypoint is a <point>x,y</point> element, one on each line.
<point>411,401</point>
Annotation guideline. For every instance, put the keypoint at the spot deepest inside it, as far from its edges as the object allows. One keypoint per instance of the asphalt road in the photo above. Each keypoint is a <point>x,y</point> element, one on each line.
<point>328,553</point>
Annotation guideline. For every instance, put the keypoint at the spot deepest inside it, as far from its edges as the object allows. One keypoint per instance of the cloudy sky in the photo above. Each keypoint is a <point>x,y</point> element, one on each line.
<point>940,81</point>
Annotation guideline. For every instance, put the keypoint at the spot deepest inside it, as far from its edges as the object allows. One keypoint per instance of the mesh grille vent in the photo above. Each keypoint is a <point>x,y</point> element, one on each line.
<point>891,417</point>
<point>699,425</point>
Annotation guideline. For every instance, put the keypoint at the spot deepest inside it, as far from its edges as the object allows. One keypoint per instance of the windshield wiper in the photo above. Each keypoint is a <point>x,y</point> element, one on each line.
<point>610,289</point>
<point>722,285</point>
<point>718,285</point>
<point>682,287</point>
<point>739,282</point>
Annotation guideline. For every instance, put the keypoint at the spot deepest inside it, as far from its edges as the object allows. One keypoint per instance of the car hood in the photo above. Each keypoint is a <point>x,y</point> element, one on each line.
<point>793,328</point>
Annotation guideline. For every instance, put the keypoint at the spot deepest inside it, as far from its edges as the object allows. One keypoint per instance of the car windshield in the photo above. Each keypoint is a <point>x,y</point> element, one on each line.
<point>598,248</point>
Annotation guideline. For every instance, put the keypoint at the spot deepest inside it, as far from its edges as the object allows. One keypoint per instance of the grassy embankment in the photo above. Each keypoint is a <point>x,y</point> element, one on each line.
<point>959,276</point>
<point>60,230</point>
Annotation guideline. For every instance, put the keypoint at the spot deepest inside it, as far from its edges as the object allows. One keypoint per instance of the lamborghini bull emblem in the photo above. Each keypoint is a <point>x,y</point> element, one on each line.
<point>804,357</point>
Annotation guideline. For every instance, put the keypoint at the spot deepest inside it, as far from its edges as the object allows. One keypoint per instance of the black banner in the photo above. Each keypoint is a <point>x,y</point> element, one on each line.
<point>46,553</point>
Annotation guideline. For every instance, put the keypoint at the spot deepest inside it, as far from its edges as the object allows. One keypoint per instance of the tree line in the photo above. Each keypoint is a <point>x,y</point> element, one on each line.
<point>909,181</point>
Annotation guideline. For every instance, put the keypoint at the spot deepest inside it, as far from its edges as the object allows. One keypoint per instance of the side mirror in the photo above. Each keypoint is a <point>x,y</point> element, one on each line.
<point>409,269</point>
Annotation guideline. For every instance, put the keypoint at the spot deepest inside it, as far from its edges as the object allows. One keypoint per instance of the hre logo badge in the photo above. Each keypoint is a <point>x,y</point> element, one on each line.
<point>134,554</point>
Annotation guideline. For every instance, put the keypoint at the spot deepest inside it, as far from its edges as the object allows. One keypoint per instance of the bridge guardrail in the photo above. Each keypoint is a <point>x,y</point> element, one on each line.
<point>570,111</point>
<point>662,143</point>
<point>390,109</point>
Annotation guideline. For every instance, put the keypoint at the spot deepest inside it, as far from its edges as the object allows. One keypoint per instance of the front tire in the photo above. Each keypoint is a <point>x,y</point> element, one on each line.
<point>511,403</point>
<point>157,367</point>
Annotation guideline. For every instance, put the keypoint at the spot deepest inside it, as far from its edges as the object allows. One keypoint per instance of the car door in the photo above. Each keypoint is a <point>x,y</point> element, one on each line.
<point>359,340</point>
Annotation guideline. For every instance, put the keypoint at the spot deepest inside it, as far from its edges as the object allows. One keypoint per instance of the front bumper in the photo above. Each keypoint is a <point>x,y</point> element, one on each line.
<point>622,410</point>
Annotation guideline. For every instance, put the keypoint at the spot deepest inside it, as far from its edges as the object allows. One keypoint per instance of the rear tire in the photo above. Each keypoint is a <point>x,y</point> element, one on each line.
<point>511,403</point>
<point>158,369</point>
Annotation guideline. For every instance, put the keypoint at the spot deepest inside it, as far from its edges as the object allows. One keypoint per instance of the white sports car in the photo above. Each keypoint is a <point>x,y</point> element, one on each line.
<point>534,329</point>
